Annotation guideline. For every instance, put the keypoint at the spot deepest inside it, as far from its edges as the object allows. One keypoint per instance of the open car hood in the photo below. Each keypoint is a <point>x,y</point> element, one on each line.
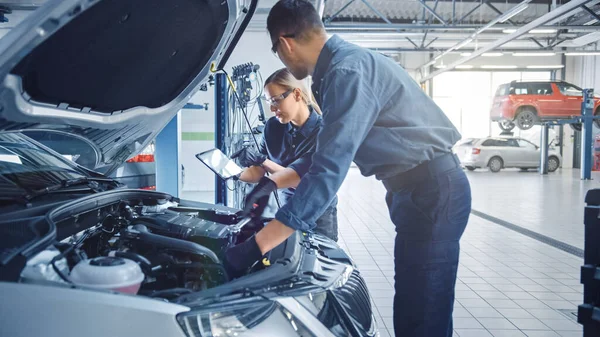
<point>112,73</point>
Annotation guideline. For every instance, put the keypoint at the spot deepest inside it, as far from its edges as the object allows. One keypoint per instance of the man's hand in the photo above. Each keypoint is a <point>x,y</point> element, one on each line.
<point>249,157</point>
<point>257,199</point>
<point>241,257</point>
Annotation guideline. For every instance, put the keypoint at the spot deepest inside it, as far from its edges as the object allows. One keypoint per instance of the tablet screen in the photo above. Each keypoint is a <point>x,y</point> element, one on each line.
<point>219,163</point>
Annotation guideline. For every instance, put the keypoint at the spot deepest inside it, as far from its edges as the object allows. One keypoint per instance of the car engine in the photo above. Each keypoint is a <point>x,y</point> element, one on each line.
<point>157,250</point>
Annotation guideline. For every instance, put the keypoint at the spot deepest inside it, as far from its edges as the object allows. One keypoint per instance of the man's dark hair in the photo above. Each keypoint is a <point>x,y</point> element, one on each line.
<point>297,17</point>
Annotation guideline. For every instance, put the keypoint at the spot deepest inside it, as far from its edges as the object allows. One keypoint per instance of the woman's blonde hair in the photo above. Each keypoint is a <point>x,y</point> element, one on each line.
<point>285,79</point>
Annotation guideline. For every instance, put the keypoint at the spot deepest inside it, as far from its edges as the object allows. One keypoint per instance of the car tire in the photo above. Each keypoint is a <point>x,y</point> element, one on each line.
<point>524,169</point>
<point>506,125</point>
<point>495,164</point>
<point>526,119</point>
<point>576,126</point>
<point>470,168</point>
<point>553,163</point>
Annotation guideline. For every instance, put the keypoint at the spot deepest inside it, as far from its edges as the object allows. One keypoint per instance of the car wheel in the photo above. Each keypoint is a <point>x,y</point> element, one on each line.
<point>506,125</point>
<point>576,126</point>
<point>526,119</point>
<point>524,169</point>
<point>553,164</point>
<point>470,168</point>
<point>495,164</point>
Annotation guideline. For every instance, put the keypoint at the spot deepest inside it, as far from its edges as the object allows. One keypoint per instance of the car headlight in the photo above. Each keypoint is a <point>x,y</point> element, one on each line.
<point>252,319</point>
<point>322,306</point>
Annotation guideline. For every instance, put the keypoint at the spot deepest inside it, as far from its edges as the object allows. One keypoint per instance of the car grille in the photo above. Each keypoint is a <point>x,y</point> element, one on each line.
<point>355,300</point>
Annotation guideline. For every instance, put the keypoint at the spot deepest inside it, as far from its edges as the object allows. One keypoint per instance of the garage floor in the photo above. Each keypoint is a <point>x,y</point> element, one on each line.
<point>510,284</point>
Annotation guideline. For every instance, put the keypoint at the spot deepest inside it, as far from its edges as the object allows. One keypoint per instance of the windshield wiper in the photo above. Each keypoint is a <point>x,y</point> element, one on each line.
<point>92,183</point>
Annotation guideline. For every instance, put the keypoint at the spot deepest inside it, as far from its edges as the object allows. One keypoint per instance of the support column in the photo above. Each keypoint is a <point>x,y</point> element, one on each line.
<point>544,150</point>
<point>221,109</point>
<point>587,133</point>
<point>166,152</point>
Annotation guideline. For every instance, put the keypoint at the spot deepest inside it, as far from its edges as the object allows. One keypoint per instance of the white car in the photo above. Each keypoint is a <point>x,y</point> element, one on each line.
<point>80,255</point>
<point>503,152</point>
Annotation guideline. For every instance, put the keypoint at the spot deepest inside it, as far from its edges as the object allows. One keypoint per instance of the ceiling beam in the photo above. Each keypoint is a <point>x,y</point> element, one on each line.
<point>384,27</point>
<point>566,8</point>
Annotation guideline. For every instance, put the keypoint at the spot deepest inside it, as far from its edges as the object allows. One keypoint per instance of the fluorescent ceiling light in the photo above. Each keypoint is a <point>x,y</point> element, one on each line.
<point>498,67</point>
<point>440,66</point>
<point>534,54</point>
<point>533,31</point>
<point>464,66</point>
<point>492,54</point>
<point>592,53</point>
<point>546,67</point>
<point>465,54</point>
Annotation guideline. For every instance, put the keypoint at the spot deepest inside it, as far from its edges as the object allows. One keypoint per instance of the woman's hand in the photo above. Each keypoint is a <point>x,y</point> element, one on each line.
<point>249,157</point>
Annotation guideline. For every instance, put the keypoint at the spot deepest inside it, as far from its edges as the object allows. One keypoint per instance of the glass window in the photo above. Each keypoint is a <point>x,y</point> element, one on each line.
<point>71,147</point>
<point>495,142</point>
<point>541,88</point>
<point>526,145</point>
<point>519,89</point>
<point>502,90</point>
<point>569,89</point>
<point>512,143</point>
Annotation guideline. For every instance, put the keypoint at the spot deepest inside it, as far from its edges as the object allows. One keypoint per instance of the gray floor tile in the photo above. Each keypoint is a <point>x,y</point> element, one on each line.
<point>497,323</point>
<point>547,296</point>
<point>519,295</point>
<point>546,314</point>
<point>541,333</point>
<point>559,304</point>
<point>531,304</point>
<point>528,324</point>
<point>507,333</point>
<point>466,323</point>
<point>464,294</point>
<point>485,313</point>
<point>473,333</point>
<point>571,296</point>
<point>569,333</point>
<point>474,303</point>
<point>561,324</point>
<point>514,313</point>
<point>461,312</point>
<point>503,304</point>
<point>482,287</point>
<point>509,287</point>
<point>492,295</point>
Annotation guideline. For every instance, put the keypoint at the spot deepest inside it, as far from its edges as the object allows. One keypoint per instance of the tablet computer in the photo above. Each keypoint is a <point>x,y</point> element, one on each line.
<point>219,163</point>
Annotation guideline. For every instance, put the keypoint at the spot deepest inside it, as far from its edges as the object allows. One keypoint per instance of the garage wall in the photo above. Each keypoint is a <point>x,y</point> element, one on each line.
<point>583,71</point>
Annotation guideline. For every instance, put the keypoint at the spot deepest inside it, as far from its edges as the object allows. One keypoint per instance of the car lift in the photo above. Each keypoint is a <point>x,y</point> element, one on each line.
<point>587,122</point>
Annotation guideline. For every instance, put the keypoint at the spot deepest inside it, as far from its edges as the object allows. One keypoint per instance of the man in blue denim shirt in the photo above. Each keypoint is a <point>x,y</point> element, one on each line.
<point>376,115</point>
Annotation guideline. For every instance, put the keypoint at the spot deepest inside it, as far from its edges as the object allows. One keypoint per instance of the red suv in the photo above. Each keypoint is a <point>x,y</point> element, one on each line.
<point>527,103</point>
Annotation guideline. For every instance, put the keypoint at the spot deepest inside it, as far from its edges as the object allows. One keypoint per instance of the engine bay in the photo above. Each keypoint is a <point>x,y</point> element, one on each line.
<point>149,246</point>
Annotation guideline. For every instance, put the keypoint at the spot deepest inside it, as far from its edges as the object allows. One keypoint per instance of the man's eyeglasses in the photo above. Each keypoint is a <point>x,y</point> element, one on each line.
<point>276,43</point>
<point>275,101</point>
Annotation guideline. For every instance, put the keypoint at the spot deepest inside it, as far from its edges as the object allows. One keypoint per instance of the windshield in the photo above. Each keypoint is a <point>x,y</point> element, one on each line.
<point>25,165</point>
<point>502,90</point>
<point>569,89</point>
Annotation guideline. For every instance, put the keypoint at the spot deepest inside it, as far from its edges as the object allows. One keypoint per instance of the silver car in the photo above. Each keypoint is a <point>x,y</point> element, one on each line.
<point>95,259</point>
<point>503,152</point>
